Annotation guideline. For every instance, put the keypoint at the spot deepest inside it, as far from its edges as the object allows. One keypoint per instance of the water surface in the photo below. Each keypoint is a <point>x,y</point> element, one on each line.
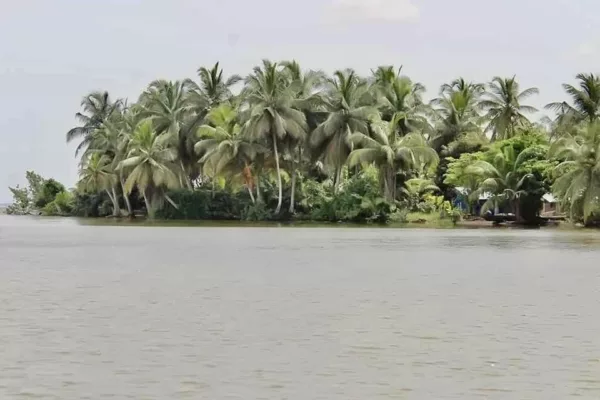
<point>133,312</point>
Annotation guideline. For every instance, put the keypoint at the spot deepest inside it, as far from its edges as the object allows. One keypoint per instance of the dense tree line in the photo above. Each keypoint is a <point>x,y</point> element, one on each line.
<point>287,142</point>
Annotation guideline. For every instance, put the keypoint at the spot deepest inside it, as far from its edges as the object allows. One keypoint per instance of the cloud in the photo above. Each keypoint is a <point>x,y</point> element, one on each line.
<point>381,10</point>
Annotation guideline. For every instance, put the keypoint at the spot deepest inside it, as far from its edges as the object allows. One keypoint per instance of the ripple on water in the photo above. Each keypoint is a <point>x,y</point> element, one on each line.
<point>157,313</point>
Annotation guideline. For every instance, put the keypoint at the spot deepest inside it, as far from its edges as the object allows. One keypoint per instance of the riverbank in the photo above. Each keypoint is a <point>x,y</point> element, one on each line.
<point>431,224</point>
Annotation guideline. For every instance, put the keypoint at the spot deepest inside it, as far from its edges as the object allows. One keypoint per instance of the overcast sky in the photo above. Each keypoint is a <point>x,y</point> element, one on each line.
<point>53,52</point>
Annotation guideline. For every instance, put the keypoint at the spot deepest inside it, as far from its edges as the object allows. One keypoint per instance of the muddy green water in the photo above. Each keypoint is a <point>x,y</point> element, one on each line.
<point>263,312</point>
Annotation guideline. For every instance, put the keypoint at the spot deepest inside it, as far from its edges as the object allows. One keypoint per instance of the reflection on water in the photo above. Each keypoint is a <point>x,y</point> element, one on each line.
<point>315,313</point>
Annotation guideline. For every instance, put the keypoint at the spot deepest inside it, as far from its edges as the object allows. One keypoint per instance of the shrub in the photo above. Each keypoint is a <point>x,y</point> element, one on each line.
<point>204,204</point>
<point>358,200</point>
<point>257,212</point>
<point>49,189</point>
<point>61,205</point>
<point>21,203</point>
<point>91,205</point>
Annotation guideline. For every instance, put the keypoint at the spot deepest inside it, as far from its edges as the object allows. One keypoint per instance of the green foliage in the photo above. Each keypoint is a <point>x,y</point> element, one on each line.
<point>438,205</point>
<point>505,112</point>
<point>359,200</point>
<point>204,204</point>
<point>49,189</point>
<point>458,174</point>
<point>312,194</point>
<point>391,154</point>
<point>257,212</point>
<point>35,184</point>
<point>64,202</point>
<point>585,101</point>
<point>39,193</point>
<point>62,205</point>
<point>21,202</point>
<point>291,136</point>
<point>513,171</point>
<point>577,175</point>
<point>91,205</point>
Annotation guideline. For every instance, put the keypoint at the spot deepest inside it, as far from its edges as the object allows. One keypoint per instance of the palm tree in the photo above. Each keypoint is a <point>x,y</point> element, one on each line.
<point>504,107</point>
<point>97,107</point>
<point>308,98</point>
<point>104,143</point>
<point>462,85</point>
<point>97,174</point>
<point>273,118</point>
<point>585,99</point>
<point>399,98</point>
<point>348,103</point>
<point>167,103</point>
<point>150,162</point>
<point>500,178</point>
<point>112,141</point>
<point>460,176</point>
<point>224,149</point>
<point>214,88</point>
<point>390,153</point>
<point>456,113</point>
<point>578,174</point>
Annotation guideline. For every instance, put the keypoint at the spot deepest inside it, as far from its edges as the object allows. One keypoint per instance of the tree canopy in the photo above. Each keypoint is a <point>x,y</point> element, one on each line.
<point>282,133</point>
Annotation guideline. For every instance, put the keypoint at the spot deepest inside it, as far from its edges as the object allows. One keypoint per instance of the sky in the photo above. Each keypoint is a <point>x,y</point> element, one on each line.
<point>53,52</point>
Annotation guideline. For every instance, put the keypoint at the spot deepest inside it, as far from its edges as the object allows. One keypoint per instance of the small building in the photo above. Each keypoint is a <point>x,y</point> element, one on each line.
<point>549,205</point>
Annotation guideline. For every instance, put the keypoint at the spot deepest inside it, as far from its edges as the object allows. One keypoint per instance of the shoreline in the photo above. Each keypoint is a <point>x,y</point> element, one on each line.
<point>431,224</point>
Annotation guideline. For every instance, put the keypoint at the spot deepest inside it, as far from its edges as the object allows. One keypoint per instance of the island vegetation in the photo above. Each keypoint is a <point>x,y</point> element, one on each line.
<point>286,143</point>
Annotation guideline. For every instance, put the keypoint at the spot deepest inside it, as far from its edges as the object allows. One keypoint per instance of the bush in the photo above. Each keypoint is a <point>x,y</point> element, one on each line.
<point>91,205</point>
<point>204,204</point>
<point>61,205</point>
<point>21,203</point>
<point>399,216</point>
<point>358,200</point>
<point>50,188</point>
<point>431,204</point>
<point>257,212</point>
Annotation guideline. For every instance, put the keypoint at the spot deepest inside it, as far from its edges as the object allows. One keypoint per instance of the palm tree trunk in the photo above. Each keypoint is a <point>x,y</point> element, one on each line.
<point>259,198</point>
<point>251,194</point>
<point>389,184</point>
<point>394,185</point>
<point>126,197</point>
<point>186,177</point>
<point>336,179</point>
<point>149,209</point>
<point>112,196</point>
<point>292,195</point>
<point>116,207</point>
<point>280,189</point>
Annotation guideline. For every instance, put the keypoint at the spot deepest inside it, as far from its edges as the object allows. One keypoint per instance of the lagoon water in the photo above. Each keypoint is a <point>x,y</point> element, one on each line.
<point>175,312</point>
